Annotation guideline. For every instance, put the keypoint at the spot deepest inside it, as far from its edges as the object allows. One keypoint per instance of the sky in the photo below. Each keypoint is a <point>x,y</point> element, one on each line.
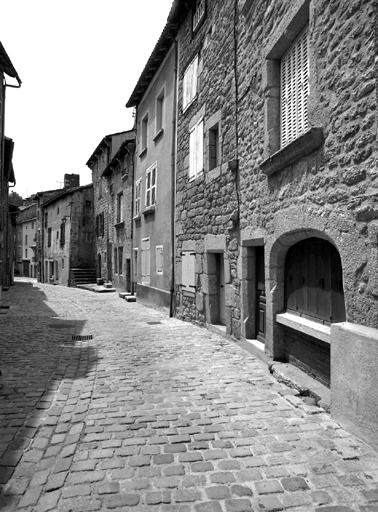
<point>79,61</point>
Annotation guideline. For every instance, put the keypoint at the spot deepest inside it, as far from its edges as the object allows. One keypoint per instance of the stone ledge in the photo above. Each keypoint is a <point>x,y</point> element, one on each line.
<point>302,146</point>
<point>305,326</point>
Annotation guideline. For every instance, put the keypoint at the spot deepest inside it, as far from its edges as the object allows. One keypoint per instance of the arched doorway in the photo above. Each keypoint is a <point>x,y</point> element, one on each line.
<point>314,281</point>
<point>99,265</point>
<point>313,290</point>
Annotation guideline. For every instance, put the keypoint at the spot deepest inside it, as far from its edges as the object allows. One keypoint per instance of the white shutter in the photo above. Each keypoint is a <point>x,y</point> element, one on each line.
<point>199,167</point>
<point>188,264</point>
<point>190,83</point>
<point>159,259</point>
<point>192,153</point>
<point>145,246</point>
<point>295,89</point>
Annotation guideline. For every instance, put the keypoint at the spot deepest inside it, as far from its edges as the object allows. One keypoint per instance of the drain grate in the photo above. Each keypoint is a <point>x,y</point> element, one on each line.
<point>78,337</point>
<point>153,323</point>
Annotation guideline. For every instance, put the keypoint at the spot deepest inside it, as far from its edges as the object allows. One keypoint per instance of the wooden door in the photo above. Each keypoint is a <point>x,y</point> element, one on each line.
<point>260,295</point>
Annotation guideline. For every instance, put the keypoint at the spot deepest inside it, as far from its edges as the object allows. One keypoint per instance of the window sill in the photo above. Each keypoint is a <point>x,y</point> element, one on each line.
<point>305,326</point>
<point>125,176</point>
<point>120,225</point>
<point>143,152</point>
<point>302,146</point>
<point>149,210</point>
<point>158,135</point>
<point>137,217</point>
<point>184,109</point>
<point>194,178</point>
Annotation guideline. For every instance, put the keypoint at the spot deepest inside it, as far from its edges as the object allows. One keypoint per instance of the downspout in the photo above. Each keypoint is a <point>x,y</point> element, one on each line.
<point>173,187</point>
<point>133,284</point>
<point>2,190</point>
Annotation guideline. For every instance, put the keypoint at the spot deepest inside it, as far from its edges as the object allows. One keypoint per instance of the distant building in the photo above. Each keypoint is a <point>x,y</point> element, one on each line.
<point>98,162</point>
<point>68,245</point>
<point>119,177</point>
<point>7,176</point>
<point>26,245</point>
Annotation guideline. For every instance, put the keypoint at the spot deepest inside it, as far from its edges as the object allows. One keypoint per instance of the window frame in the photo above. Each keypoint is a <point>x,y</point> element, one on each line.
<point>150,195</point>
<point>120,213</point>
<point>159,115</point>
<point>144,135</point>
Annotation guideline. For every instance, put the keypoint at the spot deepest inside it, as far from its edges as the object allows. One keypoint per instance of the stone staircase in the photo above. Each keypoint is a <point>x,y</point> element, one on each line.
<point>82,276</point>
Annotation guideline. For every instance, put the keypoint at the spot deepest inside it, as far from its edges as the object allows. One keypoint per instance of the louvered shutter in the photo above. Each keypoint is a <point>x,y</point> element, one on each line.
<point>190,83</point>
<point>295,89</point>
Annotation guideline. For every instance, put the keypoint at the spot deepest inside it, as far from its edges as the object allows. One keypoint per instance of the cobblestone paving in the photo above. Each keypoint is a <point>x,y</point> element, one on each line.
<point>156,414</point>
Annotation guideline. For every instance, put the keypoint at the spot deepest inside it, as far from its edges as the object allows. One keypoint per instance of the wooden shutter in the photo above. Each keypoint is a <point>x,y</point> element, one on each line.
<point>199,147</point>
<point>295,89</point>
<point>145,245</point>
<point>188,262</point>
<point>159,259</point>
<point>190,83</point>
<point>192,153</point>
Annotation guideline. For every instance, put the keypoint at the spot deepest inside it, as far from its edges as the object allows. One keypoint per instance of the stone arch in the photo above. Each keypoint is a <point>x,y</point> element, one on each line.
<point>276,255</point>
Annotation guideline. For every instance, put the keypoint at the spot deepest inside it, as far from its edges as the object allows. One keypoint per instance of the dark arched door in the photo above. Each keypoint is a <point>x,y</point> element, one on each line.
<point>99,265</point>
<point>314,281</point>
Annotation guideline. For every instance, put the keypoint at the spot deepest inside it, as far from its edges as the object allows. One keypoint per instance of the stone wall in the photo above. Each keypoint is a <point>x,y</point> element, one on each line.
<point>208,205</point>
<point>332,190</point>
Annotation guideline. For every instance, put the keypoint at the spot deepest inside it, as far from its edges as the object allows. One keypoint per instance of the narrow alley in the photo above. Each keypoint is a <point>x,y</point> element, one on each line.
<point>109,405</point>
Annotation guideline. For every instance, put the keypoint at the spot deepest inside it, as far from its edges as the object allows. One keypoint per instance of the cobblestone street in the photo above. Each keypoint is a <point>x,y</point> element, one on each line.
<point>156,414</point>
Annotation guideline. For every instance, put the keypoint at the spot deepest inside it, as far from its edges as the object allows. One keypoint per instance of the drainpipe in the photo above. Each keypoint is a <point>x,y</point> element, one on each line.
<point>173,187</point>
<point>133,285</point>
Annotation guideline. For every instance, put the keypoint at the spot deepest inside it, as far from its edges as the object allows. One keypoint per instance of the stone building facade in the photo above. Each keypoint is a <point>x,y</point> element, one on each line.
<point>68,241</point>
<point>207,236</point>
<point>119,175</point>
<point>98,162</point>
<point>276,179</point>
<point>26,262</point>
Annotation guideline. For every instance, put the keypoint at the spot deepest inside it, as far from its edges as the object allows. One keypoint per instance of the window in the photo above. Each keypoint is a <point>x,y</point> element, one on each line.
<point>120,260</point>
<point>159,259</point>
<point>49,231</point>
<point>137,197</point>
<point>199,14</point>
<point>295,89</point>
<point>62,264</point>
<point>196,150</point>
<point>87,237</point>
<point>115,261</point>
<point>188,266</point>
<point>159,113</point>
<point>145,247</point>
<point>100,224</point>
<point>88,204</point>
<point>144,133</point>
<point>26,239</point>
<point>120,207</point>
<point>190,83</point>
<point>151,186</point>
<point>46,220</point>
<point>26,253</point>
<point>32,226</point>
<point>57,210</point>
<point>62,234</point>
<point>214,147</point>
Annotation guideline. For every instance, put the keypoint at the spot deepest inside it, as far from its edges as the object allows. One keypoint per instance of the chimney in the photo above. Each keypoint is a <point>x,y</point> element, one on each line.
<point>71,180</point>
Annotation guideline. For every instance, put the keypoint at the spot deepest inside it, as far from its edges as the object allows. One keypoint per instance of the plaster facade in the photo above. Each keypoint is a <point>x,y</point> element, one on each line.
<point>153,211</point>
<point>26,261</point>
